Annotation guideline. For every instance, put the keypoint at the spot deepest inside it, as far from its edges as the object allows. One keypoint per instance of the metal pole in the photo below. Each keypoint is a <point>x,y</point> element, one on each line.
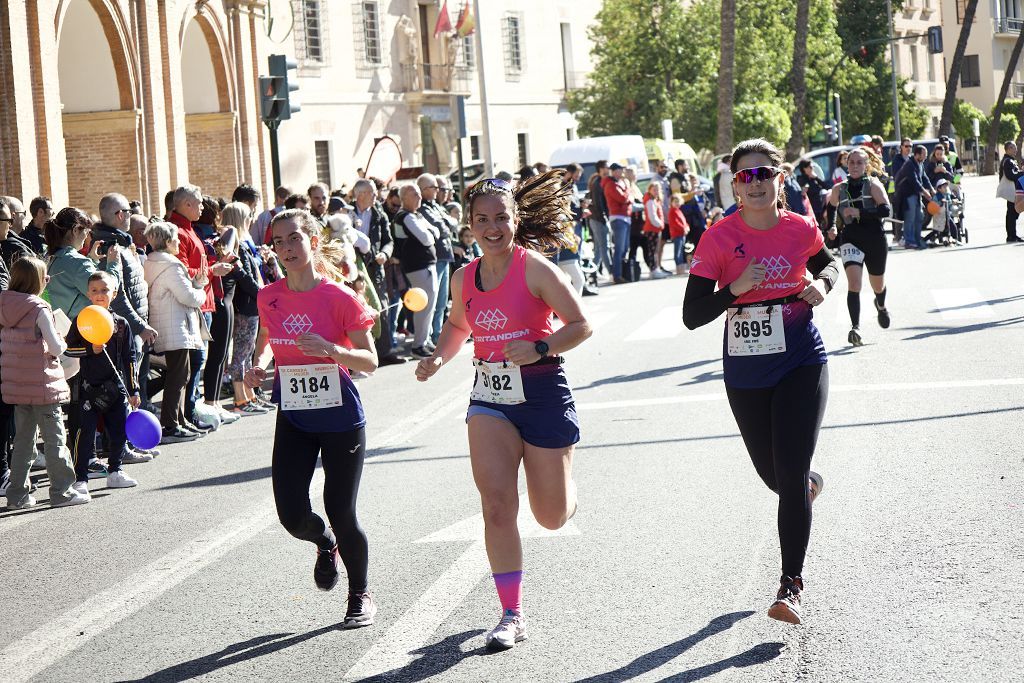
<point>275,159</point>
<point>485,119</point>
<point>895,86</point>
<point>837,110</point>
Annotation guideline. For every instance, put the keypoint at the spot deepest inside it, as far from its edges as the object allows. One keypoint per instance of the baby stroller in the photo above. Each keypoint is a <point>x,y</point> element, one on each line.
<point>947,224</point>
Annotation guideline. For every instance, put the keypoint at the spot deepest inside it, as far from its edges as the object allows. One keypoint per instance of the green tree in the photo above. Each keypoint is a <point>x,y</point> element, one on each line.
<point>798,78</point>
<point>1008,128</point>
<point>726,76</point>
<point>964,114</point>
<point>635,82</point>
<point>768,120</point>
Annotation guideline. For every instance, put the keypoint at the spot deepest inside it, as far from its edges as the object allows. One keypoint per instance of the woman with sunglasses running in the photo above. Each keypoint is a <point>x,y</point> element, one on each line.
<point>861,203</point>
<point>521,408</point>
<point>774,360</point>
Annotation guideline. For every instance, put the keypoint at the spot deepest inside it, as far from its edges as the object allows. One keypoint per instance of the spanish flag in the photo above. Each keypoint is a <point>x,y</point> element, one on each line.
<point>466,23</point>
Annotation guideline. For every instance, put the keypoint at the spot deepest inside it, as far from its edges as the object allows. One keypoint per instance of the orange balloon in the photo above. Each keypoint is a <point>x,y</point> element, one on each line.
<point>415,299</point>
<point>934,208</point>
<point>96,324</point>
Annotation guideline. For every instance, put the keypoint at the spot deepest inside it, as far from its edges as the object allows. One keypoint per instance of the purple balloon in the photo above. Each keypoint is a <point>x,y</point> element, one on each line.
<point>143,429</point>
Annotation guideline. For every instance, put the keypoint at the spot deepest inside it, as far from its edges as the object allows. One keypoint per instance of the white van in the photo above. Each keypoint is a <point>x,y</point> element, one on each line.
<point>628,150</point>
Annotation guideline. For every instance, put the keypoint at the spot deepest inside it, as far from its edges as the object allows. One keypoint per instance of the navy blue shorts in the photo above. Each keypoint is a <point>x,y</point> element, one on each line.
<point>548,418</point>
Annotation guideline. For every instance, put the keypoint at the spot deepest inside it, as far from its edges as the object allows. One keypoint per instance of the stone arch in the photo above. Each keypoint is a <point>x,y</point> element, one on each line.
<point>100,117</point>
<point>211,122</point>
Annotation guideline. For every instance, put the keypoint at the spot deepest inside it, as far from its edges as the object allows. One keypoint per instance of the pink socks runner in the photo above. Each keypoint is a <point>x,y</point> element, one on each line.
<point>510,590</point>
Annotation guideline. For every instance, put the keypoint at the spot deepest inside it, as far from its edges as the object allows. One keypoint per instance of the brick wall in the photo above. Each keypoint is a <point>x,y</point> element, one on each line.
<point>211,153</point>
<point>102,156</point>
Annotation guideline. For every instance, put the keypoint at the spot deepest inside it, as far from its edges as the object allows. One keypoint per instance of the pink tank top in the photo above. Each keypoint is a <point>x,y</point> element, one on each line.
<point>506,313</point>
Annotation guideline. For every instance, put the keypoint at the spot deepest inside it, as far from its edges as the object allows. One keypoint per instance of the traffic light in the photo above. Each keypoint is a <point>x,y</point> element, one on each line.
<point>935,40</point>
<point>276,100</point>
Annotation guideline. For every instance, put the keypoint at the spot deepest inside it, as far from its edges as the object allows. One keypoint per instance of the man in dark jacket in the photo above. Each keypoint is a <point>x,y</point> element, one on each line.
<point>371,220</point>
<point>447,230</point>
<point>40,210</point>
<point>1008,169</point>
<point>913,186</point>
<point>600,231</point>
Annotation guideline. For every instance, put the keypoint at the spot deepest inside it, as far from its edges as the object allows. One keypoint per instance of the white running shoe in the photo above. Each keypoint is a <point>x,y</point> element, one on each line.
<point>134,457</point>
<point>658,274</point>
<point>119,480</point>
<point>509,631</point>
<point>82,487</point>
<point>26,502</point>
<point>226,416</point>
<point>76,499</point>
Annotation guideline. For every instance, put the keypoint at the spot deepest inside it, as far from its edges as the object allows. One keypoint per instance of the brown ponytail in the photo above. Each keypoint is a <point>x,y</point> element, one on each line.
<point>55,230</point>
<point>542,203</point>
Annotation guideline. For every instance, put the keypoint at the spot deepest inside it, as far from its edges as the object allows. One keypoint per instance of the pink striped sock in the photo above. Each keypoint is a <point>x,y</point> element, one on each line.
<point>510,590</point>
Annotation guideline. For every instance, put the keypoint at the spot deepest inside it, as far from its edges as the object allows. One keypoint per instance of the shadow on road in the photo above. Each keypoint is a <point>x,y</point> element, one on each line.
<point>975,304</point>
<point>759,654</point>
<point>648,374</point>
<point>232,654</point>
<point>656,658</point>
<point>436,659</point>
<point>943,331</point>
<point>849,425</point>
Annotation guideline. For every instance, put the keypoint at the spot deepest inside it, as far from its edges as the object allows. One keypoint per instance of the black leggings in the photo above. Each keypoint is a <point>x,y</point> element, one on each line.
<point>221,329</point>
<point>341,454</point>
<point>780,429</point>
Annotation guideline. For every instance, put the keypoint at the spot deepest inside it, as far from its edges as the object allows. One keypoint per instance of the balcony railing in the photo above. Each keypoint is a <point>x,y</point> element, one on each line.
<point>573,80</point>
<point>1008,24</point>
<point>436,78</point>
<point>1016,90</point>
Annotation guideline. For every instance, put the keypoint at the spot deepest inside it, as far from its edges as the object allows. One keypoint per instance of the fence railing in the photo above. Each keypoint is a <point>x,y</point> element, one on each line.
<point>436,77</point>
<point>1008,24</point>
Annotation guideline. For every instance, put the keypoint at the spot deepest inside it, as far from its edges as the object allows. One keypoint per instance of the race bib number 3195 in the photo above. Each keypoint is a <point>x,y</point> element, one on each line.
<point>310,387</point>
<point>755,331</point>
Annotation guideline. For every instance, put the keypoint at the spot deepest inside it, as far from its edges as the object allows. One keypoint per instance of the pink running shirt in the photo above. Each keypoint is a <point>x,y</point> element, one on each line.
<point>507,312</point>
<point>729,246</point>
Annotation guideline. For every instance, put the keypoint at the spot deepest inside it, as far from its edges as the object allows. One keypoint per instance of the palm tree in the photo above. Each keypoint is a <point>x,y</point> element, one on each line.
<point>798,78</point>
<point>946,122</point>
<point>726,77</point>
<point>997,112</point>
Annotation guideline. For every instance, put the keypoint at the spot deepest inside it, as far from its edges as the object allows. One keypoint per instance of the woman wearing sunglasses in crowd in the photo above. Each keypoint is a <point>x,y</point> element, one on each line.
<point>521,408</point>
<point>776,378</point>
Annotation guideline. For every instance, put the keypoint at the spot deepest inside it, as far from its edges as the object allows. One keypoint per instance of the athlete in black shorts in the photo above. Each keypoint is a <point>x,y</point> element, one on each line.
<point>861,204</point>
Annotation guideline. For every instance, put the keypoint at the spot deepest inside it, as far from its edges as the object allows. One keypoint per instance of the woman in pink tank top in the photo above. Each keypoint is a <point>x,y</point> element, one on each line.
<point>521,408</point>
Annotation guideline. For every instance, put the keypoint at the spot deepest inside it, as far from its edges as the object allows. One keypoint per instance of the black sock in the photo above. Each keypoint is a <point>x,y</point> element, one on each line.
<point>880,298</point>
<point>853,303</point>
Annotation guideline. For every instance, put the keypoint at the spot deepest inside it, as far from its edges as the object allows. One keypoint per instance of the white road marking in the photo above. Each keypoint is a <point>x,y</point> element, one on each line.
<point>417,625</point>
<point>40,649</point>
<point>835,389</point>
<point>962,304</point>
<point>665,324</point>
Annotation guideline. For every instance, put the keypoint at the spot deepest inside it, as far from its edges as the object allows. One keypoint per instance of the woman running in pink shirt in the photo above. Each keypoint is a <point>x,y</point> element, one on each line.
<point>521,408</point>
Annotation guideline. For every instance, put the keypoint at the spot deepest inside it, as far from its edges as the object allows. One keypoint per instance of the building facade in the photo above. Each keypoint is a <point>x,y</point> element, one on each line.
<point>925,72</point>
<point>140,96</point>
<point>369,68</point>
<point>132,96</point>
<point>997,24</point>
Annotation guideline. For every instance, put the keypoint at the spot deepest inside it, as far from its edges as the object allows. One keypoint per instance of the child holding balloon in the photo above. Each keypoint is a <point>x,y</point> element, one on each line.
<point>33,382</point>
<point>103,343</point>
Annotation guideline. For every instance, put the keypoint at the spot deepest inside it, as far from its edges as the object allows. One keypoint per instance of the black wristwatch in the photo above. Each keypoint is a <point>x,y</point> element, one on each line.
<point>542,348</point>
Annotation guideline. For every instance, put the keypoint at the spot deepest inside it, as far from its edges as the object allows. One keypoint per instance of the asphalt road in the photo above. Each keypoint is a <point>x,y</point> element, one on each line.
<point>665,573</point>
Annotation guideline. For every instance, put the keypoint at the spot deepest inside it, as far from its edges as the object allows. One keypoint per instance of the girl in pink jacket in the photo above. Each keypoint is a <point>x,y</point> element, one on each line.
<point>33,382</point>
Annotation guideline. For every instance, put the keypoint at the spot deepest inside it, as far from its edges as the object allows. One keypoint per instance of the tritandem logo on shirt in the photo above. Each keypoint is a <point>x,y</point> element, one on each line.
<point>777,268</point>
<point>297,324</point>
<point>491,319</point>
